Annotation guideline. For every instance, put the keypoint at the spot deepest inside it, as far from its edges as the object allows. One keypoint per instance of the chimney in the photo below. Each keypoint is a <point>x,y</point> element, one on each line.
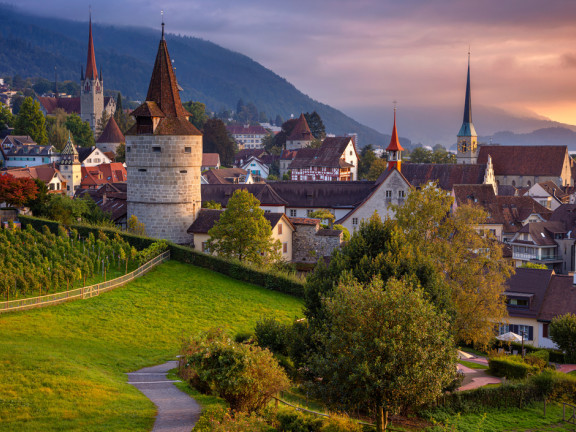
<point>104,198</point>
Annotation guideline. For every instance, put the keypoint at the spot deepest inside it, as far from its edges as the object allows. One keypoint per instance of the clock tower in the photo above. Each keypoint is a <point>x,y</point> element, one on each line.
<point>91,88</point>
<point>467,150</point>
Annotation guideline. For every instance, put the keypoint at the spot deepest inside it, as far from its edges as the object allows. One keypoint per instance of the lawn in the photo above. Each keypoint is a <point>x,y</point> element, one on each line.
<point>62,367</point>
<point>472,365</point>
<point>529,419</point>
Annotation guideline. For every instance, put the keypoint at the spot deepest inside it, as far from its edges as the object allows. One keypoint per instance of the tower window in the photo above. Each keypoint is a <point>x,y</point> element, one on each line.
<point>156,149</point>
<point>187,149</point>
<point>183,171</point>
<point>128,149</point>
<point>142,169</point>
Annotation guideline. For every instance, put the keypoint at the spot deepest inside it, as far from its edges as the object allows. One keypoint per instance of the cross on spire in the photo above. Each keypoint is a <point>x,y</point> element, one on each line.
<point>162,15</point>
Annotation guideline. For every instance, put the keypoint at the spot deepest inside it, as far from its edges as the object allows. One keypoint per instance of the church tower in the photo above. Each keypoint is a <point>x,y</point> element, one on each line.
<point>70,167</point>
<point>467,151</point>
<point>91,88</point>
<point>394,149</point>
<point>163,158</point>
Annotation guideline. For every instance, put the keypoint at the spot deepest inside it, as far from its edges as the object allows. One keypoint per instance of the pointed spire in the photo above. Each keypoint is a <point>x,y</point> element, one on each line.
<point>301,131</point>
<point>394,141</point>
<point>69,153</point>
<point>162,13</point>
<point>467,128</point>
<point>91,71</point>
<point>163,87</point>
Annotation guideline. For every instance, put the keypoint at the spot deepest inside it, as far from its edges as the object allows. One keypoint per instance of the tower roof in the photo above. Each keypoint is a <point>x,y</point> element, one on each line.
<point>467,128</point>
<point>91,71</point>
<point>111,133</point>
<point>301,131</point>
<point>69,148</point>
<point>394,141</point>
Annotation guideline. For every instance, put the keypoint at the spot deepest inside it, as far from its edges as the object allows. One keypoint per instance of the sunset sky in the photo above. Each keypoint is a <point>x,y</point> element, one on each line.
<point>360,55</point>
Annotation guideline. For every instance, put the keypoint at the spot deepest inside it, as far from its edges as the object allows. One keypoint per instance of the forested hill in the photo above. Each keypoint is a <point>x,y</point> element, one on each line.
<point>32,46</point>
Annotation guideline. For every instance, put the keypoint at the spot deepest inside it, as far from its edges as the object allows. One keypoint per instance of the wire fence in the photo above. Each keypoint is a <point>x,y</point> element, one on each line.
<point>84,292</point>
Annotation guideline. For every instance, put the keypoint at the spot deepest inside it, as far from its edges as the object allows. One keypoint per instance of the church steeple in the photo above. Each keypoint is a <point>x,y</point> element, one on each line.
<point>394,149</point>
<point>467,151</point>
<point>91,71</point>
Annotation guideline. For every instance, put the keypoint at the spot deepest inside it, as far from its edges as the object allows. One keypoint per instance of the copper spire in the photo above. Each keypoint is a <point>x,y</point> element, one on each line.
<point>394,141</point>
<point>91,71</point>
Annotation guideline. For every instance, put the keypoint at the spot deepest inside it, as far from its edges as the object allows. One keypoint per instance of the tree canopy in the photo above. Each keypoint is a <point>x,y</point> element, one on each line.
<point>30,121</point>
<point>438,155</point>
<point>316,125</point>
<point>198,111</point>
<point>17,191</point>
<point>217,140</point>
<point>243,233</point>
<point>563,333</point>
<point>6,117</point>
<point>81,131</point>
<point>382,347</point>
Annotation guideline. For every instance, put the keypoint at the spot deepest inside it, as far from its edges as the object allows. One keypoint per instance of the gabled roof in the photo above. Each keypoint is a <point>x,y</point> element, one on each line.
<point>104,173</point>
<point>304,221</point>
<point>69,148</point>
<point>210,159</point>
<point>91,71</point>
<point>447,175</point>
<point>226,176</point>
<point>245,154</point>
<point>44,172</point>
<point>301,131</point>
<point>328,155</point>
<point>18,140</point>
<point>529,281</point>
<point>208,217</point>
<point>474,194</point>
<point>525,160</point>
<point>560,298</point>
<point>30,150</point>
<point>512,211</point>
<point>566,214</point>
<point>554,191</point>
<point>542,232</point>
<point>507,190</point>
<point>69,105</point>
<point>111,133</point>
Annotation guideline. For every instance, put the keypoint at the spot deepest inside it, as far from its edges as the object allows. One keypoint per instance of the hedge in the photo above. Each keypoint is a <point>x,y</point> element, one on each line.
<point>268,279</point>
<point>510,368</point>
<point>555,356</point>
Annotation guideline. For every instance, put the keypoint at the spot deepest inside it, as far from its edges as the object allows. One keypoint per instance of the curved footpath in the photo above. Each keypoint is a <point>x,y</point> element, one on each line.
<point>177,412</point>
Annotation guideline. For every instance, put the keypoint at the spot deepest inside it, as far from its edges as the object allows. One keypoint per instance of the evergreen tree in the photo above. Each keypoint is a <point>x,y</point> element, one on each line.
<point>217,140</point>
<point>57,132</point>
<point>316,125</point>
<point>198,111</point>
<point>30,121</point>
<point>6,117</point>
<point>81,131</point>
<point>119,115</point>
<point>102,123</point>
<point>279,120</point>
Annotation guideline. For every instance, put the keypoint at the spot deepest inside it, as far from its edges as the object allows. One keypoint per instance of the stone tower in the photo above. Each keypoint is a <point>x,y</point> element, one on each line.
<point>394,149</point>
<point>467,151</point>
<point>91,88</point>
<point>70,167</point>
<point>163,158</point>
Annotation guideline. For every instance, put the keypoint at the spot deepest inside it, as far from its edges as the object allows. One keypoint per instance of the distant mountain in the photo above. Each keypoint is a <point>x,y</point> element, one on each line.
<point>546,136</point>
<point>33,46</point>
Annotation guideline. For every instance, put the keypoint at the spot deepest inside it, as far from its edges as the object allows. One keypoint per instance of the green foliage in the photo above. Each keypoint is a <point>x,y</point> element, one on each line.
<point>134,226</point>
<point>57,132</point>
<point>243,233</point>
<point>101,124</point>
<point>316,125</point>
<point>511,367</point>
<point>323,214</point>
<point>198,111</point>
<point>34,262</point>
<point>120,115</point>
<point>6,118</point>
<point>81,131</point>
<point>217,140</point>
<point>345,232</point>
<point>377,168</point>
<point>437,156</point>
<point>563,333</point>
<point>531,265</point>
<point>70,211</point>
<point>30,121</point>
<point>273,334</point>
<point>385,348</point>
<point>152,251</point>
<point>246,376</point>
<point>210,204</point>
<point>367,157</point>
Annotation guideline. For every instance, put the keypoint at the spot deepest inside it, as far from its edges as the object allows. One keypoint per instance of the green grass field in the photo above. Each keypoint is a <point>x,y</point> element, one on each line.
<point>472,365</point>
<point>62,367</point>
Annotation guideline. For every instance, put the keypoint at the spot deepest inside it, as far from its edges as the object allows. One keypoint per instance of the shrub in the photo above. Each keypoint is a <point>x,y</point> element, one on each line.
<point>246,376</point>
<point>563,333</point>
<point>510,367</point>
<point>243,337</point>
<point>227,421</point>
<point>272,334</point>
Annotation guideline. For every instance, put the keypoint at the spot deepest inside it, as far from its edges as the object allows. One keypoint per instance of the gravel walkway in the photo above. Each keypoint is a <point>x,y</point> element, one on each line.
<point>177,412</point>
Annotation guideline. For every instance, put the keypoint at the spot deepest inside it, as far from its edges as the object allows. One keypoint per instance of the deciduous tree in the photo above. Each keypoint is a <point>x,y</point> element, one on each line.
<point>383,347</point>
<point>217,140</point>
<point>17,191</point>
<point>81,131</point>
<point>6,117</point>
<point>316,125</point>
<point>563,333</point>
<point>243,233</point>
<point>30,121</point>
<point>198,111</point>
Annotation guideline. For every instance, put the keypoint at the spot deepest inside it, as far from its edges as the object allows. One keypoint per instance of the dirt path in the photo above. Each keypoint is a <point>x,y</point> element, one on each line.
<point>177,412</point>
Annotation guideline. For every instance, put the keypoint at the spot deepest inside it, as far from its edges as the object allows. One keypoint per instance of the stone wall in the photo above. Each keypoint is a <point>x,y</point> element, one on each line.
<point>163,188</point>
<point>309,245</point>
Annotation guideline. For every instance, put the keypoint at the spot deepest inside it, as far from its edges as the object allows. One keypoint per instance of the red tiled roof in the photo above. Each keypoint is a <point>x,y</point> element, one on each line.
<point>524,160</point>
<point>541,232</point>
<point>301,131</point>
<point>43,172</point>
<point>208,217</point>
<point>566,214</point>
<point>245,154</point>
<point>553,190</point>
<point>225,175</point>
<point>69,105</point>
<point>447,175</point>
<point>304,221</point>
<point>328,155</point>
<point>210,159</point>
<point>104,173</point>
<point>111,133</point>
<point>560,298</point>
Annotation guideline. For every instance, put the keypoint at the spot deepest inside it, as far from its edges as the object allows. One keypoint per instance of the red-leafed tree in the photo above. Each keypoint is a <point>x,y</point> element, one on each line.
<point>17,191</point>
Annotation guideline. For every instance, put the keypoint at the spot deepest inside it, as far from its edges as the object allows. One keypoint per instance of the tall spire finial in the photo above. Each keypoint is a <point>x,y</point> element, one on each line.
<point>162,14</point>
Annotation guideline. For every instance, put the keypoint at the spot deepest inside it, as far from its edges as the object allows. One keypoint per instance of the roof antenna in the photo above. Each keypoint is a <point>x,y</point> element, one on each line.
<point>162,14</point>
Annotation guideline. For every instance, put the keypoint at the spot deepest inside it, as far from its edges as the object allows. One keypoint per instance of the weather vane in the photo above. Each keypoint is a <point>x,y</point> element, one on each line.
<point>394,102</point>
<point>162,15</point>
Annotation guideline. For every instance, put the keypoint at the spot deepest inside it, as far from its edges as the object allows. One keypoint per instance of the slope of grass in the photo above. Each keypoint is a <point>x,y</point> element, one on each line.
<point>472,365</point>
<point>62,368</point>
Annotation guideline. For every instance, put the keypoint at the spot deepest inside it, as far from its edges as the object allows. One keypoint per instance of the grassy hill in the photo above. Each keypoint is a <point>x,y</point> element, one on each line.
<point>63,368</point>
<point>32,46</point>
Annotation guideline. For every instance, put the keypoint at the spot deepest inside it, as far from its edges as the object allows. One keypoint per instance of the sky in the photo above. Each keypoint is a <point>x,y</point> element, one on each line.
<point>361,55</point>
